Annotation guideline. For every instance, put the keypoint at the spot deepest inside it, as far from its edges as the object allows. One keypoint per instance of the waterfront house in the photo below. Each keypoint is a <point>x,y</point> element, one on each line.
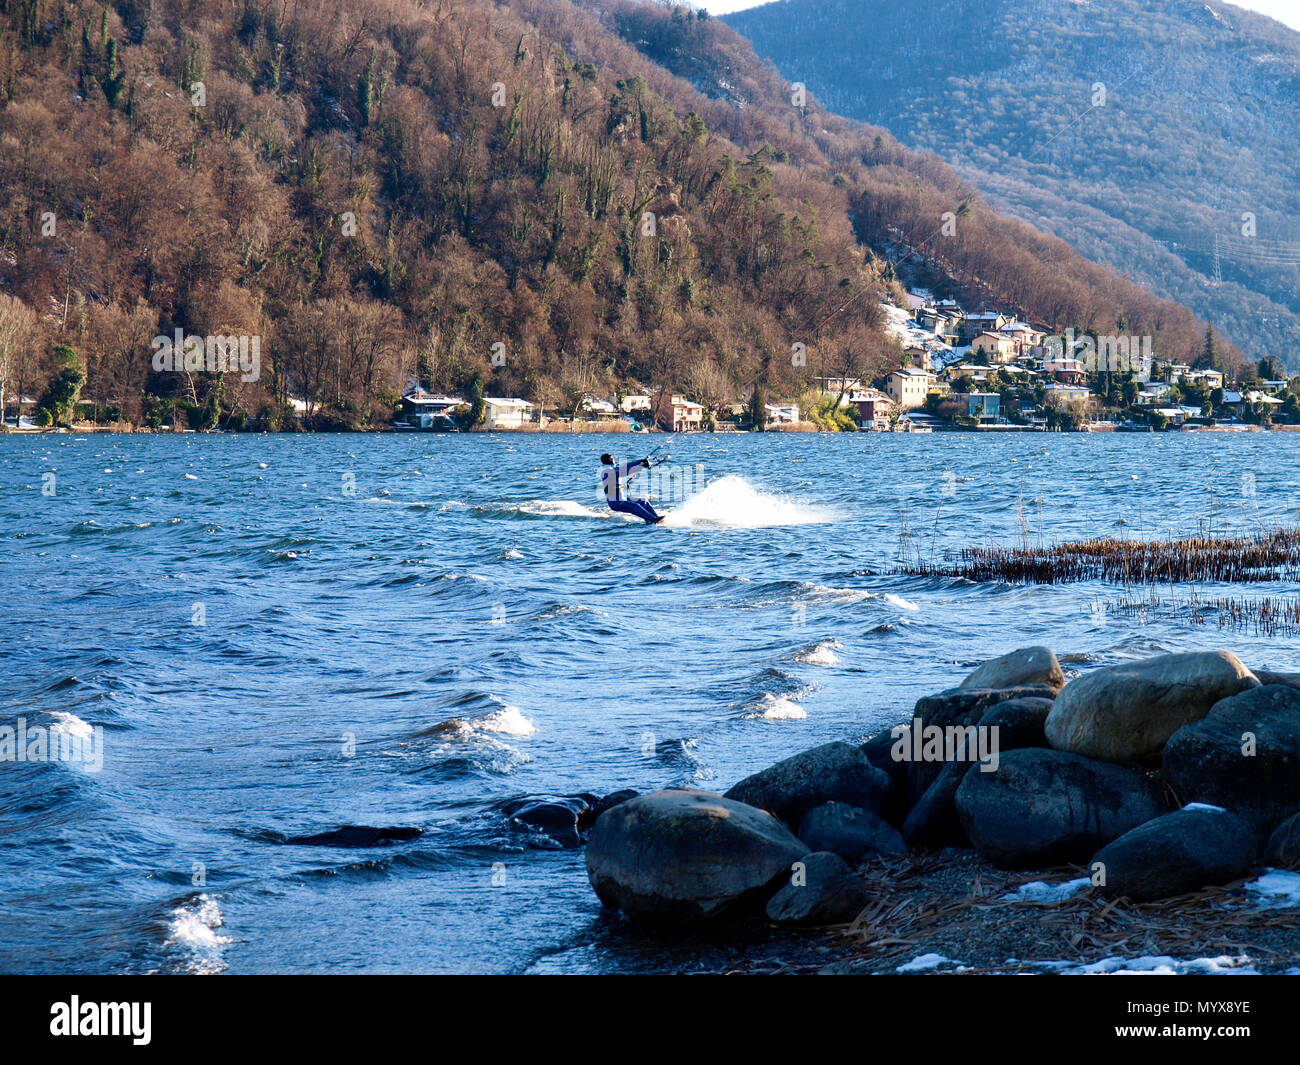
<point>424,410</point>
<point>984,407</point>
<point>685,416</point>
<point>908,388</point>
<point>871,408</point>
<point>599,408</point>
<point>507,413</point>
<point>1211,379</point>
<point>633,404</point>
<point>1066,393</point>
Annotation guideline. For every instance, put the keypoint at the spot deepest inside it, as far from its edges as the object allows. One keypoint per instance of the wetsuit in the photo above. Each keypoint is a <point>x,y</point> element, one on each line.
<point>614,479</point>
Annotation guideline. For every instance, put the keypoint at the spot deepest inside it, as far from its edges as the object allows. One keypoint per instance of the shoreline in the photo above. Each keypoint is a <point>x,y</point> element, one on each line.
<point>1019,822</point>
<point>996,430</point>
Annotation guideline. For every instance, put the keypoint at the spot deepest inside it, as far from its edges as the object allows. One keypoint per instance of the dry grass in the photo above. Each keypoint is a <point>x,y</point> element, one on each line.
<point>956,906</point>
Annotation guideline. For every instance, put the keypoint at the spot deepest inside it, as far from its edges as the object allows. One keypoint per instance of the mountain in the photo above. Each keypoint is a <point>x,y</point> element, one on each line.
<point>531,198</point>
<point>1158,136</point>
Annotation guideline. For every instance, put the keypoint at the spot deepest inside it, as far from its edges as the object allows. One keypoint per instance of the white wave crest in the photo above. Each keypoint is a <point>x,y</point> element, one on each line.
<point>821,655</point>
<point>71,724</point>
<point>733,502</point>
<point>193,929</point>
<point>778,708</point>
<point>508,721</point>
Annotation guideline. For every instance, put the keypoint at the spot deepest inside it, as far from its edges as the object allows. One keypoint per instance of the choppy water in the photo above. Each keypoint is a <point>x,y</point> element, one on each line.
<point>465,611</point>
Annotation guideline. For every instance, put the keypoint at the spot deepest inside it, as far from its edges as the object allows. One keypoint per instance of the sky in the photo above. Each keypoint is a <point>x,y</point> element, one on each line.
<point>1287,11</point>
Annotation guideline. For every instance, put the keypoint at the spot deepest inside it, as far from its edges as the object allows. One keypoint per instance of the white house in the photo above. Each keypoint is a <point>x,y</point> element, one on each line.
<point>602,408</point>
<point>507,413</point>
<point>628,404</point>
<point>782,414</point>
<point>688,417</point>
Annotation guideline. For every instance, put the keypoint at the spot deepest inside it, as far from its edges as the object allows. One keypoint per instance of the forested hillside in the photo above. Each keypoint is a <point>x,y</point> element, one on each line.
<point>1155,135</point>
<point>511,197</point>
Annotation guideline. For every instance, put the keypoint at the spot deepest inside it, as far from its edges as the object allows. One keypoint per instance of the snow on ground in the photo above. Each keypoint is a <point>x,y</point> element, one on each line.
<point>1041,891</point>
<point>925,963</point>
<point>1159,965</point>
<point>1277,889</point>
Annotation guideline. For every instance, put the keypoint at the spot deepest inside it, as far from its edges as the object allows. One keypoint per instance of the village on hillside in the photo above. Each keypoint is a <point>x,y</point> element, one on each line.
<point>984,370</point>
<point>951,370</point>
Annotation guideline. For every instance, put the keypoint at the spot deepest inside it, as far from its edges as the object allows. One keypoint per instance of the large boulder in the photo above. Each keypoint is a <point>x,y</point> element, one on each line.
<point>1180,852</point>
<point>1267,676</point>
<point>959,707</point>
<point>1020,722</point>
<point>682,857</point>
<point>1029,665</point>
<point>821,890</point>
<point>1284,844</point>
<point>1045,807</point>
<point>833,772</point>
<point>1245,755</point>
<point>853,833</point>
<point>611,800</point>
<point>893,804</point>
<point>1126,713</point>
<point>932,822</point>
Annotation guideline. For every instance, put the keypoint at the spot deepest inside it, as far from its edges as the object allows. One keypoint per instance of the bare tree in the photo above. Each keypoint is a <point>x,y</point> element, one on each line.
<point>19,334</point>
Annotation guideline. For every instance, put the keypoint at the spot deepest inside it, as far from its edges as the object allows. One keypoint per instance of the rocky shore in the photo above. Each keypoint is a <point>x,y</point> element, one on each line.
<point>1135,801</point>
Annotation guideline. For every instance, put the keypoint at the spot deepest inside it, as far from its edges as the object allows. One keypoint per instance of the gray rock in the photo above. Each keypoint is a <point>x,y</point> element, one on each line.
<point>1284,844</point>
<point>959,706</point>
<point>683,857</point>
<point>853,833</point>
<point>833,772</point>
<point>1267,676</point>
<point>562,819</point>
<point>1045,807</point>
<point>1020,722</point>
<point>893,804</point>
<point>1180,852</point>
<point>611,800</point>
<point>1028,665</point>
<point>1206,761</point>
<point>1126,713</point>
<point>932,823</point>
<point>824,891</point>
<point>357,836</point>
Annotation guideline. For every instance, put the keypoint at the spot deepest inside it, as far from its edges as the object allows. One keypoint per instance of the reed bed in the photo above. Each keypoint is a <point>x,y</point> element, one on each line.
<point>1268,556</point>
<point>1267,616</point>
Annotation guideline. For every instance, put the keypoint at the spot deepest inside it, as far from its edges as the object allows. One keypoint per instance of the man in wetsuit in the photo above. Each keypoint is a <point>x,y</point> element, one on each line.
<point>614,479</point>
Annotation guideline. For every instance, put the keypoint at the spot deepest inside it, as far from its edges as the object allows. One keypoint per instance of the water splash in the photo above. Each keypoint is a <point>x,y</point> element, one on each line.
<point>733,502</point>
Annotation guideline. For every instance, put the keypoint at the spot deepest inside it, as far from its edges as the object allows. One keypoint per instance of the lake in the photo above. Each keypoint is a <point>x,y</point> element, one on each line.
<point>281,635</point>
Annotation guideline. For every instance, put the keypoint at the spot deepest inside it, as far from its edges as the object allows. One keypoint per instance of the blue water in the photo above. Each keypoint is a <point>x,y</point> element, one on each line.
<point>280,635</point>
